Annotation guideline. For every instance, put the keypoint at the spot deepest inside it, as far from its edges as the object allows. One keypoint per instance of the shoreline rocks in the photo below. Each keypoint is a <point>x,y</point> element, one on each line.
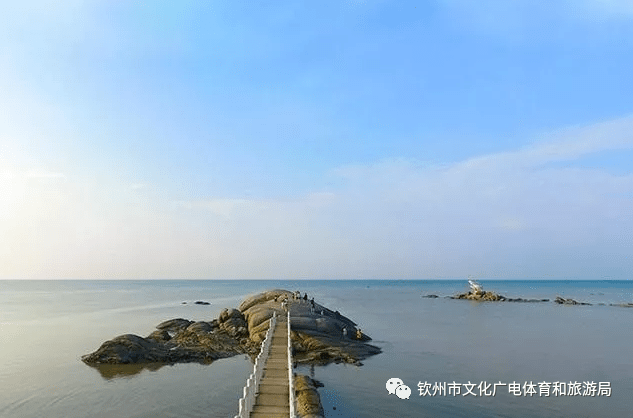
<point>307,397</point>
<point>178,341</point>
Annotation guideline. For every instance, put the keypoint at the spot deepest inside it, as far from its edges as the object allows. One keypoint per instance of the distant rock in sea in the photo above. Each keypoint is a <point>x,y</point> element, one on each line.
<point>623,305</point>
<point>478,294</point>
<point>563,301</point>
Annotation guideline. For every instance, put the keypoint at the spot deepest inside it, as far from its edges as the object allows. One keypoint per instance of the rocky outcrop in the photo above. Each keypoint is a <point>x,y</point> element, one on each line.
<point>179,341</point>
<point>623,305</point>
<point>477,293</point>
<point>307,397</point>
<point>526,300</point>
<point>318,334</point>
<point>481,296</point>
<point>563,301</point>
<point>494,297</point>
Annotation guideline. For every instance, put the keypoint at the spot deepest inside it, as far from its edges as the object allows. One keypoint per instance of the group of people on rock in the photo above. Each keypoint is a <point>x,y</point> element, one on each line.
<point>297,296</point>
<point>359,333</point>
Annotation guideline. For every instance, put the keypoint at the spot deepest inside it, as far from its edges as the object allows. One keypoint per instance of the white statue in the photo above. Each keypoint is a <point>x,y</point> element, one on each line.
<point>475,287</point>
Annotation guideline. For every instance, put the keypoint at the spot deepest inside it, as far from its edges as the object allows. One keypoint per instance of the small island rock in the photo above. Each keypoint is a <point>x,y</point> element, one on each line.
<point>318,335</point>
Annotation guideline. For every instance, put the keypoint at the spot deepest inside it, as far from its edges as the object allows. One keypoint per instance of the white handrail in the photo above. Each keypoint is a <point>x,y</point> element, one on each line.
<point>291,383</point>
<point>247,401</point>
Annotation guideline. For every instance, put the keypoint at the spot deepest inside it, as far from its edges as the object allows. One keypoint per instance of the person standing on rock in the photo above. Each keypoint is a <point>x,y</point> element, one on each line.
<point>345,332</point>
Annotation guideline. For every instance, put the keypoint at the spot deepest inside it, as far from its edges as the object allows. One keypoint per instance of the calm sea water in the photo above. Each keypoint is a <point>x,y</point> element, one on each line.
<point>45,327</point>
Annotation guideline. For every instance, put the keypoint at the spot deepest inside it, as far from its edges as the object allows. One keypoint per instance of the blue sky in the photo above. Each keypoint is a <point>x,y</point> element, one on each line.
<point>348,139</point>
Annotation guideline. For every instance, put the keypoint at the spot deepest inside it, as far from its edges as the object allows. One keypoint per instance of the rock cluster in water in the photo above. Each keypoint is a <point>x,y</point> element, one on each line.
<point>494,297</point>
<point>180,341</point>
<point>477,293</point>
<point>563,301</point>
<point>318,335</point>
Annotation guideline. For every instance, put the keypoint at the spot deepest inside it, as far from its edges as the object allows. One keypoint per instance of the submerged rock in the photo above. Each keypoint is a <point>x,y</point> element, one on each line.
<point>563,301</point>
<point>318,335</point>
<point>623,305</point>
<point>526,300</point>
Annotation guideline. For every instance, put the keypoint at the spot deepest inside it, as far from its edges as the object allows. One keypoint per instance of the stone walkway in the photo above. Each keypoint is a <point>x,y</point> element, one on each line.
<point>272,400</point>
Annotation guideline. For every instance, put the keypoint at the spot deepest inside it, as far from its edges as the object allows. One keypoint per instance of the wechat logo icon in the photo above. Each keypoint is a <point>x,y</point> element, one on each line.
<point>396,386</point>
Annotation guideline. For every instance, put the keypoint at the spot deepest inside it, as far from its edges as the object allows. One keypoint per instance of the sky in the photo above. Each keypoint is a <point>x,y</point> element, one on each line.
<point>316,140</point>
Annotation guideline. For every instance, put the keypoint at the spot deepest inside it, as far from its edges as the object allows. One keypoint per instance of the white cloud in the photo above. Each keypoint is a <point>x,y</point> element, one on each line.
<point>510,214</point>
<point>493,215</point>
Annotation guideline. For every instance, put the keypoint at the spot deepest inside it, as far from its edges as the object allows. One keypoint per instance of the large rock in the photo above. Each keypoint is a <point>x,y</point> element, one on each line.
<point>129,348</point>
<point>308,399</point>
<point>319,335</point>
<point>261,298</point>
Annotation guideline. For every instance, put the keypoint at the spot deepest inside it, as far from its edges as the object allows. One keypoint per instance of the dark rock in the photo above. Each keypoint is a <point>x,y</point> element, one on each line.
<point>430,296</point>
<point>200,302</point>
<point>527,300</point>
<point>200,327</point>
<point>174,324</point>
<point>129,348</point>
<point>563,301</point>
<point>623,305</point>
<point>160,336</point>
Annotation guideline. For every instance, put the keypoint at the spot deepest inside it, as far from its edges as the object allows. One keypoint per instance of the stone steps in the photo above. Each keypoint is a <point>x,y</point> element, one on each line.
<point>272,398</point>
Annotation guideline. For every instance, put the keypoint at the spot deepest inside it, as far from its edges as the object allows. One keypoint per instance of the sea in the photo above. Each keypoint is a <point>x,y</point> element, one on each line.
<point>457,358</point>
